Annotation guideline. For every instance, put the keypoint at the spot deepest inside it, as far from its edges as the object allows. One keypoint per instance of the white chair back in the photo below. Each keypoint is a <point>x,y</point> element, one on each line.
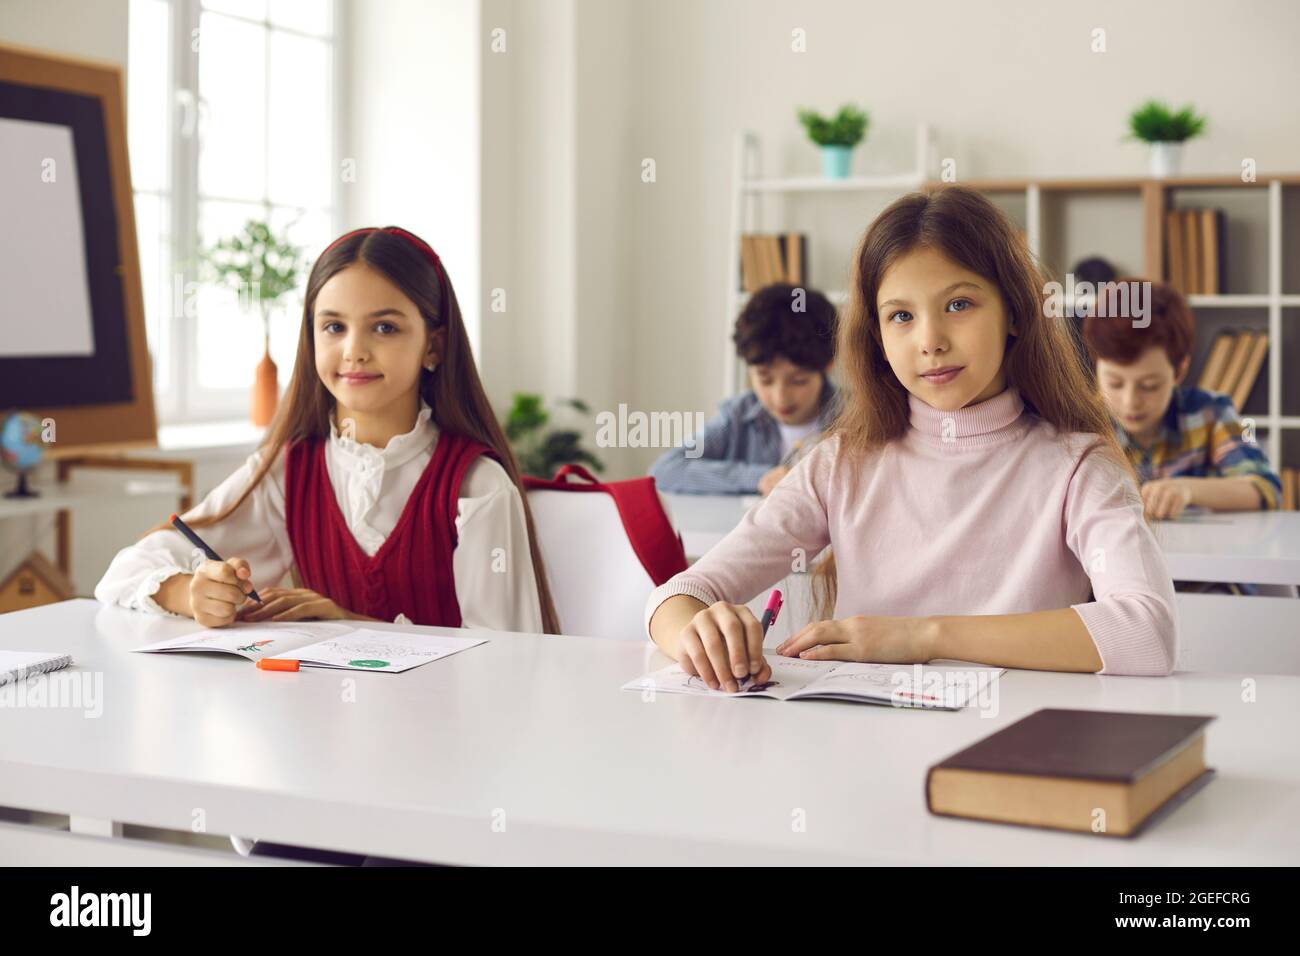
<point>597,582</point>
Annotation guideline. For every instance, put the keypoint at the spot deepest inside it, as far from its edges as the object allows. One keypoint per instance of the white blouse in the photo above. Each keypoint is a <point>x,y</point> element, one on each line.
<point>495,584</point>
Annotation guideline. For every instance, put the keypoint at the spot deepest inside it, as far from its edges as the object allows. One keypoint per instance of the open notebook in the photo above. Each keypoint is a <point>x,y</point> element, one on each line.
<point>322,644</point>
<point>933,686</point>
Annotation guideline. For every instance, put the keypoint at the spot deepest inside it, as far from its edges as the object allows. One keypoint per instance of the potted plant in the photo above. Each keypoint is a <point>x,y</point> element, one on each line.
<point>261,265</point>
<point>836,136</point>
<point>1165,131</point>
<point>540,453</point>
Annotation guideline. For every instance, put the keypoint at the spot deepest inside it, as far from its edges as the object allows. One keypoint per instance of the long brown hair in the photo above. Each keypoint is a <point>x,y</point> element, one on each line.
<point>1041,361</point>
<point>453,390</point>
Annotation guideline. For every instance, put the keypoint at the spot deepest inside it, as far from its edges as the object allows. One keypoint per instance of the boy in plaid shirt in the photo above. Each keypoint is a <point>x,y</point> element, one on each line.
<point>1186,444</point>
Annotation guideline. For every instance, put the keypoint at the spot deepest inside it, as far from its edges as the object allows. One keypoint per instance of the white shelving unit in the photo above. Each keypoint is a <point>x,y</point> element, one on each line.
<point>749,186</point>
<point>1274,300</point>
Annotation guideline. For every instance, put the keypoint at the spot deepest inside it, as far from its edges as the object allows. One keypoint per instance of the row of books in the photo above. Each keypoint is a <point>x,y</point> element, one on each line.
<point>1290,489</point>
<point>1194,244</point>
<point>1233,364</point>
<point>769,258</point>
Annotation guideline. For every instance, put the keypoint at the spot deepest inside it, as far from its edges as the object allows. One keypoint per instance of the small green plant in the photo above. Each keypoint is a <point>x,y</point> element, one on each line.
<point>256,263</point>
<point>845,128</point>
<point>1155,122</point>
<point>540,452</point>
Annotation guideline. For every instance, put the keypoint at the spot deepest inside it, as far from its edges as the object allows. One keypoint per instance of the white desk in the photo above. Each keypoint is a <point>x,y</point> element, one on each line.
<point>533,733</point>
<point>704,520</point>
<point>1254,547</point>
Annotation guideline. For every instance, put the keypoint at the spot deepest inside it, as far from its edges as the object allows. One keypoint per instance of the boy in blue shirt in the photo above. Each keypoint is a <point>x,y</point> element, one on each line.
<point>786,335</point>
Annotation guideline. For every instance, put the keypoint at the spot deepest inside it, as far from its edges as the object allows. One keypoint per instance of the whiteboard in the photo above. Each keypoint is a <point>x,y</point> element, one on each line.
<point>46,300</point>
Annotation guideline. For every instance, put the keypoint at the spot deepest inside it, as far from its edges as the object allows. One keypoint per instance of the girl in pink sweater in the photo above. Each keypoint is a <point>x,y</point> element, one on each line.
<point>973,494</point>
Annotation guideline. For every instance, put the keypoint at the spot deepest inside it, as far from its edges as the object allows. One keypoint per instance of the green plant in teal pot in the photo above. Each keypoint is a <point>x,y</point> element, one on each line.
<point>837,136</point>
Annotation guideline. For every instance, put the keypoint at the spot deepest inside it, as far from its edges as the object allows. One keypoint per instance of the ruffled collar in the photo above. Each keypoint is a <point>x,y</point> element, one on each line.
<point>400,448</point>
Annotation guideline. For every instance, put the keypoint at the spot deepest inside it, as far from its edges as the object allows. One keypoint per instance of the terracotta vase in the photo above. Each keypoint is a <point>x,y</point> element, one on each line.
<point>266,390</point>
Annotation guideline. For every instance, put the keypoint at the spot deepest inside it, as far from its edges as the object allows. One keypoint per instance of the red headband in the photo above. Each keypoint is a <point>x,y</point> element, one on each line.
<point>425,249</point>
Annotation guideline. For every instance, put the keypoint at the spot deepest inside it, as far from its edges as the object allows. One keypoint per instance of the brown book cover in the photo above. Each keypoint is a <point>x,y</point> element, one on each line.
<point>1241,350</point>
<point>749,273</point>
<point>795,256</point>
<point>1250,373</point>
<point>1216,361</point>
<point>1288,489</point>
<point>1177,274</point>
<point>1088,746</point>
<point>1210,251</point>
<point>1191,220</point>
<point>775,268</point>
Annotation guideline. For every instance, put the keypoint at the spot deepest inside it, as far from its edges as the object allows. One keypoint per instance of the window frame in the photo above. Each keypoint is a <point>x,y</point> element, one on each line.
<point>184,401</point>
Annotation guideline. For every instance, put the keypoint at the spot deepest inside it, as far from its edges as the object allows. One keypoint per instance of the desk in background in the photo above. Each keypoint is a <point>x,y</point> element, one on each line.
<point>1256,547</point>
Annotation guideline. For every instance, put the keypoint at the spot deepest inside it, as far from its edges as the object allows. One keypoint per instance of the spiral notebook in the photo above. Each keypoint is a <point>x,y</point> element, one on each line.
<point>19,665</point>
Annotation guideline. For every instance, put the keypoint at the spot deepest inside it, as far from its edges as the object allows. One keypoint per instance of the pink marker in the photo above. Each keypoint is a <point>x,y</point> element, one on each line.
<point>772,610</point>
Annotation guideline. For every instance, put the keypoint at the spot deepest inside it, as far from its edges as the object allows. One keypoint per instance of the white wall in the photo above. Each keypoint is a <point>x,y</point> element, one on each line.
<point>1011,87</point>
<point>74,27</point>
<point>411,122</point>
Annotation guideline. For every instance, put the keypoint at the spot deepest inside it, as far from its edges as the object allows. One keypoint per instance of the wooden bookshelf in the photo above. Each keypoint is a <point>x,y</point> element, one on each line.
<point>1121,219</point>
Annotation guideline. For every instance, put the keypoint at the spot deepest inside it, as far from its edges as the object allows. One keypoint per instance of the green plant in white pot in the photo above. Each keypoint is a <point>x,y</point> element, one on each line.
<point>837,136</point>
<point>1165,131</point>
<point>265,268</point>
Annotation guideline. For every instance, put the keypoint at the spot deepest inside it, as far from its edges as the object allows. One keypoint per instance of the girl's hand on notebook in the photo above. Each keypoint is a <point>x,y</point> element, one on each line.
<point>218,589</point>
<point>1166,497</point>
<point>722,646</point>
<point>293,604</point>
<point>877,640</point>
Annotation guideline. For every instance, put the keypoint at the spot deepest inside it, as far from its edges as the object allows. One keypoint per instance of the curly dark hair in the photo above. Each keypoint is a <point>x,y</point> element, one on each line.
<point>770,326</point>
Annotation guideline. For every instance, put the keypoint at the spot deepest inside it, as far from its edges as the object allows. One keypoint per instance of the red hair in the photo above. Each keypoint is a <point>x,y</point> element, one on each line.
<point>1168,323</point>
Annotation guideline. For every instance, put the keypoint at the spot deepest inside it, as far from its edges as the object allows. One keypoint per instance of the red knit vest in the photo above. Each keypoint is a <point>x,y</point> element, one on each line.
<point>411,573</point>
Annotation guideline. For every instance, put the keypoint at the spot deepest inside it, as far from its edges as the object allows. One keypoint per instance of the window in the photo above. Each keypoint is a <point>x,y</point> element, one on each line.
<point>232,116</point>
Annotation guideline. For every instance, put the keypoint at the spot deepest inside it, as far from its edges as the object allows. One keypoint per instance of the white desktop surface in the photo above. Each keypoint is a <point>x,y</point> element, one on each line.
<point>532,734</point>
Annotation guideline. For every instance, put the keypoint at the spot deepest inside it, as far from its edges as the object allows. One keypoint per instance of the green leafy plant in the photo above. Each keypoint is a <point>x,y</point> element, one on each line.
<point>845,128</point>
<point>257,263</point>
<point>540,452</point>
<point>1154,122</point>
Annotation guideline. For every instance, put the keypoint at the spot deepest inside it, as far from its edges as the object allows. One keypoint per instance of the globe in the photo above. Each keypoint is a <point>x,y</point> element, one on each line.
<point>21,449</point>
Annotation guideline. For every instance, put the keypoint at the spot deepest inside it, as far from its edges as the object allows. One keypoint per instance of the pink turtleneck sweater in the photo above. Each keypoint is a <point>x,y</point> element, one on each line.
<point>983,510</point>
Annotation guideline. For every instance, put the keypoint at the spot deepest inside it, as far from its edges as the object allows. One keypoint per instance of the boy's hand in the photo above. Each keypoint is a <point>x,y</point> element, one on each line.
<point>218,589</point>
<point>1166,497</point>
<point>770,480</point>
<point>876,640</point>
<point>723,645</point>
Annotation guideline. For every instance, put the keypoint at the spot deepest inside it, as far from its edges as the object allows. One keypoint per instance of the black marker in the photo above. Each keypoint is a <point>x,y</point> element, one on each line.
<point>198,542</point>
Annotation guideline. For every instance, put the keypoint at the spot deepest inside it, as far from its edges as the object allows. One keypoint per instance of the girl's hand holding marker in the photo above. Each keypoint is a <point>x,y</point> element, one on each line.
<point>218,589</point>
<point>723,644</point>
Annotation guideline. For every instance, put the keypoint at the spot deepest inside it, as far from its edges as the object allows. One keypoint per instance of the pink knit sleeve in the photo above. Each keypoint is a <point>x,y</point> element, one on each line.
<point>788,526</point>
<point>1132,619</point>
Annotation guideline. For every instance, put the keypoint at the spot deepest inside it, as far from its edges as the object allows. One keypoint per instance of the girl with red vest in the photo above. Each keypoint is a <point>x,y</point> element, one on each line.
<point>384,486</point>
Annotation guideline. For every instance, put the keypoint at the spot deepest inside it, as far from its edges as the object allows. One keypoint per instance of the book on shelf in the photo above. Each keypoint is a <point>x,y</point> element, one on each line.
<point>1216,361</point>
<point>769,258</point>
<point>1233,364</point>
<point>1288,477</point>
<point>1194,251</point>
<point>1241,350</point>
<point>1241,390</point>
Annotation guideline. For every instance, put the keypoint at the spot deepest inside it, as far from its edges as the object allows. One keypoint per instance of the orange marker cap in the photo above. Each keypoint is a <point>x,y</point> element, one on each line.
<point>277,664</point>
